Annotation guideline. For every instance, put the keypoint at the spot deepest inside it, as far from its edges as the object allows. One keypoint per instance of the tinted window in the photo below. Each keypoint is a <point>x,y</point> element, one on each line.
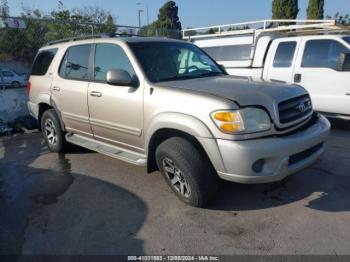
<point>323,53</point>
<point>109,56</point>
<point>347,39</point>
<point>43,61</point>
<point>7,74</point>
<point>228,53</point>
<point>75,64</point>
<point>166,61</point>
<point>284,54</point>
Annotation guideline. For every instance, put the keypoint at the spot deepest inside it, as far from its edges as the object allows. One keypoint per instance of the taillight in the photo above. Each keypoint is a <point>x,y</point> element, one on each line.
<point>28,87</point>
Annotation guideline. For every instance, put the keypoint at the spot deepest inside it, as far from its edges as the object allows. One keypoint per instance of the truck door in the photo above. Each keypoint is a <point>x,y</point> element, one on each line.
<point>281,60</point>
<point>317,71</point>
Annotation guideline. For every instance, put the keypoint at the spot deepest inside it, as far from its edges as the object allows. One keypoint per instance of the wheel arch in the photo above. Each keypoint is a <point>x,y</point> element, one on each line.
<point>167,125</point>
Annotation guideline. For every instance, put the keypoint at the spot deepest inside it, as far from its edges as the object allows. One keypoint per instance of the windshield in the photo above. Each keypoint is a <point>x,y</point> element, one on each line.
<point>166,61</point>
<point>347,39</point>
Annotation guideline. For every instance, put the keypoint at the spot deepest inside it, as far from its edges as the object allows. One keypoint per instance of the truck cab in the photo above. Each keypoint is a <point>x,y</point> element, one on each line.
<point>312,54</point>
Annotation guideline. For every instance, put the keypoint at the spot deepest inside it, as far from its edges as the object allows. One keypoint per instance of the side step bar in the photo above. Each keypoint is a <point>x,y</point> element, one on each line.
<point>103,148</point>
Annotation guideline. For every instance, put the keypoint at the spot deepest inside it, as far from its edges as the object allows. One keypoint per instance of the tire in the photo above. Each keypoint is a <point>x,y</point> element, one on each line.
<point>15,84</point>
<point>187,171</point>
<point>50,125</point>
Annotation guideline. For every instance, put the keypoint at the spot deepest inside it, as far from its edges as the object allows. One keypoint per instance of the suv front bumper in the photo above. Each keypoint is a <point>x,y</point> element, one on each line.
<point>281,156</point>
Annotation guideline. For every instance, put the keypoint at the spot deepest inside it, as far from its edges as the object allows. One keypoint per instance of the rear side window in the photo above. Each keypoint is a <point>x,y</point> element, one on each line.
<point>284,54</point>
<point>75,64</point>
<point>43,61</point>
<point>323,53</point>
<point>229,53</point>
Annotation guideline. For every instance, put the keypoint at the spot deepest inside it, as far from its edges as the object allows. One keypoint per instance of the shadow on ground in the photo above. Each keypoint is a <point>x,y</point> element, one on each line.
<point>87,215</point>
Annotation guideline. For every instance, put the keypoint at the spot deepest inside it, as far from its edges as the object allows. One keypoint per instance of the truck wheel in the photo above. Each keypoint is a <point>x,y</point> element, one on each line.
<point>187,171</point>
<point>53,134</point>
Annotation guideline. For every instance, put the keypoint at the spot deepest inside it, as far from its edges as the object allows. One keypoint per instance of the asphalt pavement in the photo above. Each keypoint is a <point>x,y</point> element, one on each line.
<point>87,203</point>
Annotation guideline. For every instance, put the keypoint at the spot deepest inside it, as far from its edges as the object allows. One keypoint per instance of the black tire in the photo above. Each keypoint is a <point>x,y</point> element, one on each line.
<point>194,167</point>
<point>60,145</point>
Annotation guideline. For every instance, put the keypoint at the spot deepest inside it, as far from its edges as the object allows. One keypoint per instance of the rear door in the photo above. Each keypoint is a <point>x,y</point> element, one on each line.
<point>317,66</point>
<point>69,89</point>
<point>281,60</point>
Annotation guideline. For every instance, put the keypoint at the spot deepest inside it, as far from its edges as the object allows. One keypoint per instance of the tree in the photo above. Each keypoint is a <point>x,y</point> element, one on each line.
<point>4,8</point>
<point>168,16</point>
<point>109,28</point>
<point>285,9</point>
<point>315,9</point>
<point>340,19</point>
<point>168,23</point>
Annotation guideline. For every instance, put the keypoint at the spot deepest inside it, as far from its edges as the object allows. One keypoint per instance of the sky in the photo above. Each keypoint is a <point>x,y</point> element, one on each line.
<point>192,13</point>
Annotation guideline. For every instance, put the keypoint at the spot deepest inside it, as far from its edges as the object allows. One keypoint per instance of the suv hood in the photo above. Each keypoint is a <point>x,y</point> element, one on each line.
<point>243,91</point>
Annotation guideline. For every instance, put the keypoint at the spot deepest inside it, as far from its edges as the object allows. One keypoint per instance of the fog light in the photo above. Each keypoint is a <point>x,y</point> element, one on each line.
<point>258,165</point>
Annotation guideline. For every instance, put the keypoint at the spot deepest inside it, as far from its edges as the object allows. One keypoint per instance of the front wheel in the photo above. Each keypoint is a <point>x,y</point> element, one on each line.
<point>187,171</point>
<point>53,134</point>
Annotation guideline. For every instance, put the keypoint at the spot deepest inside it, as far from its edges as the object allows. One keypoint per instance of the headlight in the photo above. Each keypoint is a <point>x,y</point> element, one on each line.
<point>246,120</point>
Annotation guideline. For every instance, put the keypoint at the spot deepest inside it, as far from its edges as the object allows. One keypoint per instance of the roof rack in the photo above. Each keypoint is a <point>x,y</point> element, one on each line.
<point>77,38</point>
<point>255,28</point>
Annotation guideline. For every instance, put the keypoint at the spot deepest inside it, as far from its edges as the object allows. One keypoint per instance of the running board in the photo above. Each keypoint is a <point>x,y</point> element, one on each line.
<point>103,148</point>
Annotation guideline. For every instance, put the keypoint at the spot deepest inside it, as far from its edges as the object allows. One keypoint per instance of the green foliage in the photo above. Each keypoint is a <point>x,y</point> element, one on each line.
<point>4,8</point>
<point>285,9</point>
<point>340,19</point>
<point>315,9</point>
<point>22,45</point>
<point>168,23</point>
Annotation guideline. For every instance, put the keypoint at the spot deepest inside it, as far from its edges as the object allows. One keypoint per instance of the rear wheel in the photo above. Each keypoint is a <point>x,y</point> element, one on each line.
<point>53,134</point>
<point>187,171</point>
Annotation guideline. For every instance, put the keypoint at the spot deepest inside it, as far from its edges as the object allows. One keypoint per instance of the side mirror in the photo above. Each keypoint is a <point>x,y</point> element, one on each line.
<point>120,77</point>
<point>344,62</point>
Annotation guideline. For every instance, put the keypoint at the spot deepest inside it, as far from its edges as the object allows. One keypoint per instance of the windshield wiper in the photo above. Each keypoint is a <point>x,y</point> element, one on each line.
<point>211,74</point>
<point>176,78</point>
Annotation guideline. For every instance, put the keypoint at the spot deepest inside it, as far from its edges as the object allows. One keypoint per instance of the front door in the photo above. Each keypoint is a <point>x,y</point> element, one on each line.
<point>115,111</point>
<point>317,66</point>
<point>69,89</point>
<point>281,62</point>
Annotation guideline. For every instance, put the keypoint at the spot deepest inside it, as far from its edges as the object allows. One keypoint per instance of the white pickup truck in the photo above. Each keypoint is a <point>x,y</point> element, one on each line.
<point>312,53</point>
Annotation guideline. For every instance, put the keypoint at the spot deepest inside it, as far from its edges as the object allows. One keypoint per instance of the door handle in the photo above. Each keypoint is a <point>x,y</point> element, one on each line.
<point>347,94</point>
<point>95,94</point>
<point>297,78</point>
<point>56,88</point>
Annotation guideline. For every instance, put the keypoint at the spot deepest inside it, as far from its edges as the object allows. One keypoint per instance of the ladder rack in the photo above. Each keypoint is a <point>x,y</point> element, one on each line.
<point>255,28</point>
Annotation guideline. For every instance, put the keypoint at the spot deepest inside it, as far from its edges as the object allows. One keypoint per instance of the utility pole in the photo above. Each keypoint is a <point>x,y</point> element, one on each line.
<point>140,11</point>
<point>147,12</point>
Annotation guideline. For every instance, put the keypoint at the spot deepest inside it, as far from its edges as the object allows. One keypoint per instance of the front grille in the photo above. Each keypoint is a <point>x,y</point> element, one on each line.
<point>305,154</point>
<point>294,109</point>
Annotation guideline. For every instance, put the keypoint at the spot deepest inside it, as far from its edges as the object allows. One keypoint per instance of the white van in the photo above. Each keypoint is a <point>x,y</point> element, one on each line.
<point>312,53</point>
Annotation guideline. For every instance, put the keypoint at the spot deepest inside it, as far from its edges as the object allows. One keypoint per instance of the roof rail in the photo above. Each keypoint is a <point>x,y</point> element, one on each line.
<point>265,26</point>
<point>77,38</point>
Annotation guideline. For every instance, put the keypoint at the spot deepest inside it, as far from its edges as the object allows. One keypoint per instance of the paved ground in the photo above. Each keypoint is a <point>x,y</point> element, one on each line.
<point>87,203</point>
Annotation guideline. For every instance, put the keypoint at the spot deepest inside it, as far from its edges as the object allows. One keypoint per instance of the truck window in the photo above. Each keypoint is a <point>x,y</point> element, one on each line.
<point>347,39</point>
<point>43,61</point>
<point>110,56</point>
<point>7,74</point>
<point>75,64</point>
<point>229,53</point>
<point>284,54</point>
<point>323,53</point>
